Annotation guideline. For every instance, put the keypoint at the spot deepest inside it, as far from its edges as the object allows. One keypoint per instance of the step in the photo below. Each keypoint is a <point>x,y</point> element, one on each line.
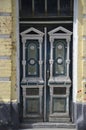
<point>49,129</point>
<point>47,125</point>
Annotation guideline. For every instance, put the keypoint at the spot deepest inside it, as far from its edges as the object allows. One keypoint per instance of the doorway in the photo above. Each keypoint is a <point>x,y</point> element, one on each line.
<point>45,80</point>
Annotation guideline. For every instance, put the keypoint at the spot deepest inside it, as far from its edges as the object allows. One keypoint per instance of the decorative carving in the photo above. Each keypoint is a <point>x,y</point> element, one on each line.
<point>51,61</point>
<point>60,47</point>
<point>32,47</point>
<point>24,62</point>
<point>40,62</point>
<point>59,60</point>
<point>40,40</point>
<point>51,40</point>
<point>26,32</point>
<point>23,40</point>
<point>68,61</point>
<point>32,61</point>
<point>68,40</point>
<point>51,91</point>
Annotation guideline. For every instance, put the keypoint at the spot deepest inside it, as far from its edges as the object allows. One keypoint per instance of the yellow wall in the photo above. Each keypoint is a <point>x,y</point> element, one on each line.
<point>84,50</point>
<point>8,48</point>
<point>14,40</point>
<point>79,62</point>
<point>81,96</point>
<point>5,6</point>
<point>7,51</point>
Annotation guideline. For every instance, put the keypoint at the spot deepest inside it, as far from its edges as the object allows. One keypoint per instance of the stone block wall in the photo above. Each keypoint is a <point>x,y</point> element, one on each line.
<point>8,91</point>
<point>81,64</point>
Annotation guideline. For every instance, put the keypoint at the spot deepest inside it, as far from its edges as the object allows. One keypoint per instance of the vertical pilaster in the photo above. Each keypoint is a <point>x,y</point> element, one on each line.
<point>51,58</point>
<point>40,57</point>
<point>68,55</point>
<point>24,61</point>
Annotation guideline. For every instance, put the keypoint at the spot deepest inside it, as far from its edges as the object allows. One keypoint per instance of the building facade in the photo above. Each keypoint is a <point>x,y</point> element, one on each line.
<point>43,62</point>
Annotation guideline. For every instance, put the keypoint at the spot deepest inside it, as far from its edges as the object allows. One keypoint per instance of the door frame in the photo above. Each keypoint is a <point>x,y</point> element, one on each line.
<point>75,50</point>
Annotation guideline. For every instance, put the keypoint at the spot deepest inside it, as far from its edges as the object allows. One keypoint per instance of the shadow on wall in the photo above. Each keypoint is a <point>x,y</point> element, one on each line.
<point>8,116</point>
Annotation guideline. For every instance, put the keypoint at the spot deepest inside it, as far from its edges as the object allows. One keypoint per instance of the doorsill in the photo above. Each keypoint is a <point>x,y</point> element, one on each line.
<point>69,125</point>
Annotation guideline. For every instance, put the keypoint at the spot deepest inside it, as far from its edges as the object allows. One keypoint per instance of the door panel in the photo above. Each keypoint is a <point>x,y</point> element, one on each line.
<point>59,67</point>
<point>32,80</point>
<point>32,58</point>
<point>46,82</point>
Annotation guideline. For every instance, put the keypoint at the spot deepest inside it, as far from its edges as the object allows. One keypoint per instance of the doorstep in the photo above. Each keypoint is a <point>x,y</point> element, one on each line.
<point>47,125</point>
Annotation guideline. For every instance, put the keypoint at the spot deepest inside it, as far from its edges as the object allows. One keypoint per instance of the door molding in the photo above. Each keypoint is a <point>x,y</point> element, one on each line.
<point>17,51</point>
<point>75,50</point>
<point>45,22</point>
<point>45,68</point>
<point>38,36</point>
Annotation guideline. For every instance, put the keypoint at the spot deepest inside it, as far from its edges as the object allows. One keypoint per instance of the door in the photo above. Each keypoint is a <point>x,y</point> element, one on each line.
<point>46,82</point>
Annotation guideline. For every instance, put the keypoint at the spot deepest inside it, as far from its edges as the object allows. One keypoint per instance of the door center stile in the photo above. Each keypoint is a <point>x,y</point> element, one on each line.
<point>45,70</point>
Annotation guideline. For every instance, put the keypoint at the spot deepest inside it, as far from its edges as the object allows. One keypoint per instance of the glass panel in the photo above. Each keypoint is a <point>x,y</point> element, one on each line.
<point>65,7</point>
<point>32,106</point>
<point>32,58</point>
<point>39,7</point>
<point>32,70</point>
<point>59,105</point>
<point>59,67</point>
<point>50,4</point>
<point>32,91</point>
<point>32,50</point>
<point>26,6</point>
<point>30,8</point>
<point>59,90</point>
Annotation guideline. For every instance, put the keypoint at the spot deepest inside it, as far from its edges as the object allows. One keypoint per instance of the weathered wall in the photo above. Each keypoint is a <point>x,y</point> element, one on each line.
<point>79,61</point>
<point>14,50</point>
<point>7,50</point>
<point>84,50</point>
<point>8,91</point>
<point>81,64</point>
<point>81,90</point>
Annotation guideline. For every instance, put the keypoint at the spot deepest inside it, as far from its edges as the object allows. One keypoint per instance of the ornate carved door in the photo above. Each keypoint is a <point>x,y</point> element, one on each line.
<point>46,81</point>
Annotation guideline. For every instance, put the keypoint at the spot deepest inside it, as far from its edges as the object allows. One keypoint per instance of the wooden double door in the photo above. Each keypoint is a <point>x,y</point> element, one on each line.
<point>45,80</point>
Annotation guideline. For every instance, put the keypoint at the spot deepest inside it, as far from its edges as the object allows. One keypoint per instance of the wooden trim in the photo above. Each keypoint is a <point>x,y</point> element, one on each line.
<point>17,52</point>
<point>75,49</point>
<point>45,76</point>
<point>45,22</point>
<point>58,7</point>
<point>33,7</point>
<point>45,6</point>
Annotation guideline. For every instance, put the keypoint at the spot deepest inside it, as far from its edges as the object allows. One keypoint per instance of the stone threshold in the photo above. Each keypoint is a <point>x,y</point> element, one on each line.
<point>47,125</point>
